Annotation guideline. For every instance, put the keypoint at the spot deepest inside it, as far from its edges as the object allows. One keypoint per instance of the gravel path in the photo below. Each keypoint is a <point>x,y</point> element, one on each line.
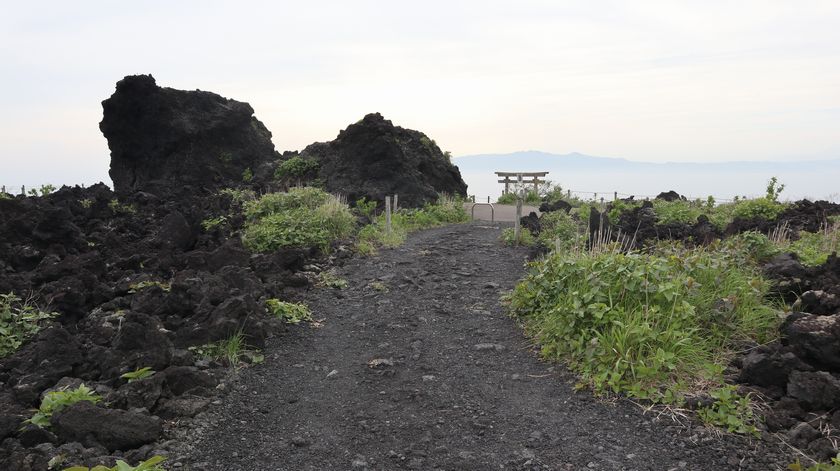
<point>416,366</point>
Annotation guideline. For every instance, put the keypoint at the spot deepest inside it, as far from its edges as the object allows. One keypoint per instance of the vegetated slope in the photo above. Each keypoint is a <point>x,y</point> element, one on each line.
<point>415,365</point>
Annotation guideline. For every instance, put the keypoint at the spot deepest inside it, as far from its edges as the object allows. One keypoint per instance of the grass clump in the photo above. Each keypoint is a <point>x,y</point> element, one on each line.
<point>290,313</point>
<point>833,466</point>
<point>404,221</point>
<point>151,464</point>
<point>525,237</point>
<point>19,321</point>
<point>55,401</point>
<point>138,374</point>
<point>301,217</point>
<point>330,280</point>
<point>231,350</point>
<point>652,326</point>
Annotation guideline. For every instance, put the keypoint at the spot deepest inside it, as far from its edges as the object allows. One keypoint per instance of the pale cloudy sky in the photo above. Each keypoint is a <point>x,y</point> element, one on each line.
<point>645,80</point>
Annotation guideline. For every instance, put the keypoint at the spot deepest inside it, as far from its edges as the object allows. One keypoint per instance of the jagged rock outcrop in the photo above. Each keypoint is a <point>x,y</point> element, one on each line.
<point>373,158</point>
<point>164,140</point>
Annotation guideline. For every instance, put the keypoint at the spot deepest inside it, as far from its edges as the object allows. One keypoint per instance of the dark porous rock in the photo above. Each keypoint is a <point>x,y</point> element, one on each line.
<point>670,196</point>
<point>559,205</point>
<point>815,390</point>
<point>815,339</point>
<point>822,449</point>
<point>31,435</point>
<point>175,232</point>
<point>9,424</point>
<point>115,429</point>
<point>143,342</point>
<point>142,393</point>
<point>820,302</point>
<point>184,379</point>
<point>531,222</point>
<point>802,434</point>
<point>784,414</point>
<point>165,141</point>
<point>184,406</point>
<point>373,158</point>
<point>41,363</point>
<point>769,368</point>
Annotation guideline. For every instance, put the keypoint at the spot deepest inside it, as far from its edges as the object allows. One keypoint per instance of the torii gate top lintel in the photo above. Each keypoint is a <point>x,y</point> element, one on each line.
<point>533,177</point>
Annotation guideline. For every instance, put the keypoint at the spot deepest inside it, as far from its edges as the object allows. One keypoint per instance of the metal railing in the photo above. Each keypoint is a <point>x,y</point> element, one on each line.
<point>492,211</point>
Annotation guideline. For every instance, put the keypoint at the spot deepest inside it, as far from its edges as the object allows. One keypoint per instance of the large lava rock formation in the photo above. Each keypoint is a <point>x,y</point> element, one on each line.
<point>373,158</point>
<point>164,140</point>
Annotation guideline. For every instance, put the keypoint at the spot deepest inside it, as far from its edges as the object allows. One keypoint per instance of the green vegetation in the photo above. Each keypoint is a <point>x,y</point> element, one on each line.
<point>135,287</point>
<point>730,411</point>
<point>560,230</point>
<point>57,400</point>
<point>151,464</point>
<point>531,197</point>
<point>833,466</point>
<point>120,208</point>
<point>330,280</point>
<point>86,203</point>
<point>812,248</point>
<point>247,175</point>
<point>231,351</point>
<point>301,217</point>
<point>656,326</point>
<point>296,168</point>
<point>290,313</point>
<point>211,223</point>
<point>19,321</point>
<point>239,195</point>
<point>138,374</point>
<point>525,237</point>
<point>404,221</point>
<point>365,208</point>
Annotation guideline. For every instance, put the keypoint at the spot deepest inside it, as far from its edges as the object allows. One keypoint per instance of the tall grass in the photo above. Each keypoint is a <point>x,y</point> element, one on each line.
<point>650,325</point>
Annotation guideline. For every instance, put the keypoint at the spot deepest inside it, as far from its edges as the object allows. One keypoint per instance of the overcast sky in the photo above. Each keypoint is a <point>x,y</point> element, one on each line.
<point>644,80</point>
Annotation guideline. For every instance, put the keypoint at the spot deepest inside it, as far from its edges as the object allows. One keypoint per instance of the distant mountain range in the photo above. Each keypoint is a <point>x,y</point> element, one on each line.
<point>590,174</point>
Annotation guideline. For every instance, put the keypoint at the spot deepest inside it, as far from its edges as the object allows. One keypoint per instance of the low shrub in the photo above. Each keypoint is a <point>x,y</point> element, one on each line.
<point>290,313</point>
<point>560,230</point>
<point>296,168</point>
<point>151,464</point>
<point>231,350</point>
<point>55,401</point>
<point>19,321</point>
<point>138,374</point>
<point>651,326</point>
<point>531,197</point>
<point>301,217</point>
<point>525,237</point>
<point>683,212</point>
<point>404,221</point>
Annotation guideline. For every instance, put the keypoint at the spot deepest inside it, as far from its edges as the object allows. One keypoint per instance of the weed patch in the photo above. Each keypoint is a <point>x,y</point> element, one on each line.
<point>405,221</point>
<point>19,321</point>
<point>290,313</point>
<point>57,400</point>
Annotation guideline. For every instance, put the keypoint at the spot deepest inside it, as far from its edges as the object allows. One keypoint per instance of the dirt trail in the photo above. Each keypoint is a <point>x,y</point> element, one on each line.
<point>457,386</point>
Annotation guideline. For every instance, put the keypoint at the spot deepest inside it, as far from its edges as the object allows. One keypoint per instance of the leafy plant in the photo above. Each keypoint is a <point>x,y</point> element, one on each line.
<point>730,411</point>
<point>559,229</point>
<point>138,374</point>
<point>774,189</point>
<point>365,208</point>
<point>211,223</point>
<point>119,208</point>
<point>55,401</point>
<point>290,313</point>
<point>525,237</point>
<point>19,321</point>
<point>296,168</point>
<point>86,203</point>
<point>833,466</point>
<point>135,287</point>
<point>679,211</point>
<point>151,464</point>
<point>239,195</point>
<point>331,280</point>
<point>247,175</point>
<point>646,325</point>
<point>506,198</point>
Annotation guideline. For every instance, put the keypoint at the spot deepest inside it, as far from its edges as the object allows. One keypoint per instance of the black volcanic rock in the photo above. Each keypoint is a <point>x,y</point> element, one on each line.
<point>373,158</point>
<point>164,140</point>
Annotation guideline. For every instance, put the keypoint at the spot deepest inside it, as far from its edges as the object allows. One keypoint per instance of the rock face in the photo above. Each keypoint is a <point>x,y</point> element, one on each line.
<point>373,158</point>
<point>163,139</point>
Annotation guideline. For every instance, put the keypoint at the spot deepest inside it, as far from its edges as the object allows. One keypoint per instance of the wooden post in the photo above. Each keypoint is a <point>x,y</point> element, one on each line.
<point>23,190</point>
<point>4,189</point>
<point>396,202</point>
<point>488,199</point>
<point>615,195</point>
<point>517,230</point>
<point>602,201</point>
<point>536,186</point>
<point>569,194</point>
<point>388,214</point>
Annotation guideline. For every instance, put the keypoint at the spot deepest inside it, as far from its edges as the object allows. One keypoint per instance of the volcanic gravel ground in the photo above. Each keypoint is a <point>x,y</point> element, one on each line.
<point>416,366</point>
